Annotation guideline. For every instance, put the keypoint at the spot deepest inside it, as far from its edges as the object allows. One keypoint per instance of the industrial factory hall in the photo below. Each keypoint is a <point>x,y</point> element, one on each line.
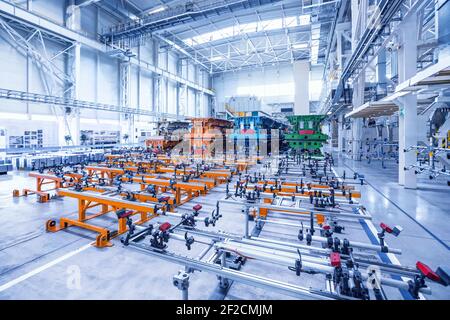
<point>250,152</point>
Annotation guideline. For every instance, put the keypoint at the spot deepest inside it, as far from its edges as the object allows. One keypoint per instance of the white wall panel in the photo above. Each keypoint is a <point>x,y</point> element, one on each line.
<point>272,84</point>
<point>105,21</point>
<point>108,81</point>
<point>51,9</point>
<point>13,67</point>
<point>191,103</point>
<point>17,127</point>
<point>88,20</point>
<point>191,72</point>
<point>134,87</point>
<point>146,52</point>
<point>172,102</point>
<point>146,90</point>
<point>88,75</point>
<point>173,61</point>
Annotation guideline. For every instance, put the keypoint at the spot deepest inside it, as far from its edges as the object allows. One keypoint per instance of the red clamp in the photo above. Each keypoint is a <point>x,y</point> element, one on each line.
<point>164,199</point>
<point>385,227</point>
<point>197,207</point>
<point>165,226</point>
<point>335,259</point>
<point>394,231</point>
<point>427,272</point>
<point>124,214</point>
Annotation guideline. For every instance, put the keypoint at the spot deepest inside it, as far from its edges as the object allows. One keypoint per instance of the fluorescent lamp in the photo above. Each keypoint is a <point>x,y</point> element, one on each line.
<point>300,46</point>
<point>157,9</point>
<point>216,58</point>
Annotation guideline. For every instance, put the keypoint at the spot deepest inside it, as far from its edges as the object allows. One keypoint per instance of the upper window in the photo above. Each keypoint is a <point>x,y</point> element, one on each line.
<point>239,29</point>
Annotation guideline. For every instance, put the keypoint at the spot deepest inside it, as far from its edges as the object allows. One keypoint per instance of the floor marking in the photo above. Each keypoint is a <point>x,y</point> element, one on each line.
<point>406,213</point>
<point>42,268</point>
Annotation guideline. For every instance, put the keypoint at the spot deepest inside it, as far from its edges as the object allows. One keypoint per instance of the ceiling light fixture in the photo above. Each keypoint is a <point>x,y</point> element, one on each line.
<point>300,46</point>
<point>216,58</point>
<point>157,9</point>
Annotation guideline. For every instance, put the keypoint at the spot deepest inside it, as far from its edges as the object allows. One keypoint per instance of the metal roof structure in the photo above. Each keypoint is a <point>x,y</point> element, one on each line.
<point>227,35</point>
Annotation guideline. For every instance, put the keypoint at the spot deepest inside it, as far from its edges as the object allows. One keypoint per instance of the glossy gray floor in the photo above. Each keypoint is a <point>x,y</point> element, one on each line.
<point>423,213</point>
<point>35,264</point>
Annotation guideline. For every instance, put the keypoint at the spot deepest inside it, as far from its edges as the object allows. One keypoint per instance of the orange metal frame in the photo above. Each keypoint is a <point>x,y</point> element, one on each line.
<point>88,200</point>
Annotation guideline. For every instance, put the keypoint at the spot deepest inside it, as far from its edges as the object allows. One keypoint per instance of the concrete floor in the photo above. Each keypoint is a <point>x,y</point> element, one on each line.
<point>423,213</point>
<point>35,264</point>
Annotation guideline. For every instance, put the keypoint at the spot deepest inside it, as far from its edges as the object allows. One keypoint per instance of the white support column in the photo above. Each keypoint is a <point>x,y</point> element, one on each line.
<point>75,121</point>
<point>126,120</point>
<point>358,100</point>
<point>381,73</point>
<point>181,92</point>
<point>73,16</point>
<point>301,79</point>
<point>70,126</point>
<point>407,64</point>
<point>359,16</point>
<point>341,133</point>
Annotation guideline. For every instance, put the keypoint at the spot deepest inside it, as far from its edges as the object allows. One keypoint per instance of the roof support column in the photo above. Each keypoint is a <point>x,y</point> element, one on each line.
<point>74,122</point>
<point>407,63</point>
<point>381,73</point>
<point>71,124</point>
<point>341,131</point>
<point>358,100</point>
<point>126,119</point>
<point>301,79</point>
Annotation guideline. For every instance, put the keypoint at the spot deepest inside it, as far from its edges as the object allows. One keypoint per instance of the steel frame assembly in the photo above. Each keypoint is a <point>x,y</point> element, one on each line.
<point>124,210</point>
<point>321,225</point>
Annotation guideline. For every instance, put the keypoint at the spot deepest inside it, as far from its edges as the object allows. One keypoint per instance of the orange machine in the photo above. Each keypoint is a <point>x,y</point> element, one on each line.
<point>204,133</point>
<point>156,142</point>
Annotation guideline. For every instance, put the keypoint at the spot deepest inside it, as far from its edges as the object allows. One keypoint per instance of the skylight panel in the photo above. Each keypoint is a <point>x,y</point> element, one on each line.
<point>248,27</point>
<point>272,24</point>
<point>290,22</point>
<point>304,19</point>
<point>239,29</point>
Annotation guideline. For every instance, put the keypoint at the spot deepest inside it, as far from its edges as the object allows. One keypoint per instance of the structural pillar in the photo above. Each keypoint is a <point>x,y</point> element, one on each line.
<point>70,126</point>
<point>341,133</point>
<point>301,79</point>
<point>381,73</point>
<point>407,65</point>
<point>126,120</point>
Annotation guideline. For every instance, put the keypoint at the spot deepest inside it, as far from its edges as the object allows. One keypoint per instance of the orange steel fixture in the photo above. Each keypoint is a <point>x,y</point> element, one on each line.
<point>88,200</point>
<point>155,142</point>
<point>104,172</point>
<point>219,175</point>
<point>138,196</point>
<point>184,191</point>
<point>355,195</point>
<point>204,133</point>
<point>42,179</point>
<point>263,212</point>
<point>158,142</point>
<point>304,185</point>
<point>240,165</point>
<point>111,157</point>
<point>190,189</point>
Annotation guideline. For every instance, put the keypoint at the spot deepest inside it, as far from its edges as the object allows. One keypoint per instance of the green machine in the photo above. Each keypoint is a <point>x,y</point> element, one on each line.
<point>306,134</point>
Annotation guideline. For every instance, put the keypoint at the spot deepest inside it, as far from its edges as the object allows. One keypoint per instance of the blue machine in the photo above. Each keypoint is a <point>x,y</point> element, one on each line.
<point>253,134</point>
